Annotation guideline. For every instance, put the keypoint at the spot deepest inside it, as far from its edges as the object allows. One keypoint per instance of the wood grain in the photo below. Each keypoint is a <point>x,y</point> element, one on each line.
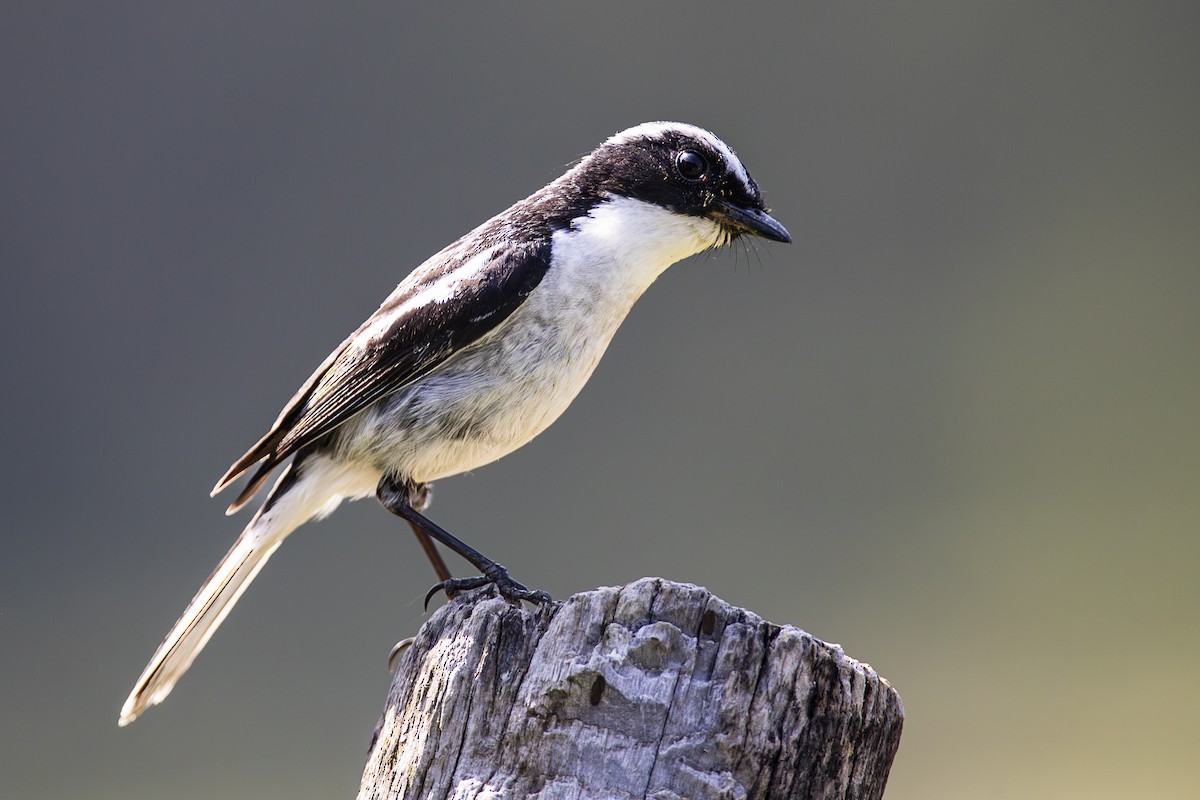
<point>651,690</point>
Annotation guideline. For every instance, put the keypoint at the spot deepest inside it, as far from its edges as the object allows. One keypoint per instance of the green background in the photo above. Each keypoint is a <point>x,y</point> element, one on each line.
<point>954,427</point>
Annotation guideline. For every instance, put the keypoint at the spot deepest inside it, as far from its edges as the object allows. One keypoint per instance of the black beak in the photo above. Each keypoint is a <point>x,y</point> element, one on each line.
<point>754,221</point>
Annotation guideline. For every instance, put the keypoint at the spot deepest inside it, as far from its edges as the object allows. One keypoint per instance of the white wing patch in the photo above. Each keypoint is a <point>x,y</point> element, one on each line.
<point>440,291</point>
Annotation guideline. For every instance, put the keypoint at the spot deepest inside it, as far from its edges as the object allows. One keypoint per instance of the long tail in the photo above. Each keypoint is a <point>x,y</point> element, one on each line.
<point>290,504</point>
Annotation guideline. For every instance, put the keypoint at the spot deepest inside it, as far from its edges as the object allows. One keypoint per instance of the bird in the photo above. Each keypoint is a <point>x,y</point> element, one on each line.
<point>474,353</point>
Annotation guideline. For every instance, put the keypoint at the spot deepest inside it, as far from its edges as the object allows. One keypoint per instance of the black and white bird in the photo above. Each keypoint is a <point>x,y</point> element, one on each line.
<point>475,353</point>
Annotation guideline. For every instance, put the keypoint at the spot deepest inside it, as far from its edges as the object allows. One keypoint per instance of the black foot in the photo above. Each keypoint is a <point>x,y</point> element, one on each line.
<point>509,588</point>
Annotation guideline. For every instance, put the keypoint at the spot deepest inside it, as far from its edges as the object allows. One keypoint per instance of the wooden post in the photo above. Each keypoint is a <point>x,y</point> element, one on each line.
<point>652,690</point>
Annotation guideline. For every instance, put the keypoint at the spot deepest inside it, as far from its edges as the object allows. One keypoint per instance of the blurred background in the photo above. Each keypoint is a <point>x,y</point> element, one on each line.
<point>953,427</point>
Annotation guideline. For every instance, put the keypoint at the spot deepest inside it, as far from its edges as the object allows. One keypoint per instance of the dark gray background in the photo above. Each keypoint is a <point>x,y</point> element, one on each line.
<point>953,427</point>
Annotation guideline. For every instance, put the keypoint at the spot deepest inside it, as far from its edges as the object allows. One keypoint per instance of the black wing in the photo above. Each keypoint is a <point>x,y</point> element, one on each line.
<point>444,306</point>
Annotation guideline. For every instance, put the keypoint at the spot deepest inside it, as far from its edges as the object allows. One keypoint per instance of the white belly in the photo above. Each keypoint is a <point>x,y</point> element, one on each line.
<point>495,396</point>
<point>487,401</point>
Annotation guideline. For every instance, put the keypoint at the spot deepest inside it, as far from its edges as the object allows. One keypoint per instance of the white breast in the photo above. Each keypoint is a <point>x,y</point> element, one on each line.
<point>497,395</point>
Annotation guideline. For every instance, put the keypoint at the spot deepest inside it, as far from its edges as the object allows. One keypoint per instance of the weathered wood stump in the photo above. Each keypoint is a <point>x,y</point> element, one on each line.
<point>655,689</point>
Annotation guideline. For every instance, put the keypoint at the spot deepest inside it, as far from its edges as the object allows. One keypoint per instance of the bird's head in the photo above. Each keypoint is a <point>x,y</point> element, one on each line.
<point>686,170</point>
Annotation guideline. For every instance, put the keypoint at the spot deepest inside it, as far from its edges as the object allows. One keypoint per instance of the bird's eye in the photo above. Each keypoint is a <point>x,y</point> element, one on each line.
<point>691,165</point>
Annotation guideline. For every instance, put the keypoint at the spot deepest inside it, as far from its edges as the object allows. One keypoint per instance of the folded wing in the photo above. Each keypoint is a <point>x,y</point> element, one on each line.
<point>448,304</point>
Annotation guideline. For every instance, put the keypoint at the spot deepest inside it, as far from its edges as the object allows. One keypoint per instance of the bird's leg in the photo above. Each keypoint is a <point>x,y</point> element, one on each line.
<point>418,497</point>
<point>396,498</point>
<point>431,552</point>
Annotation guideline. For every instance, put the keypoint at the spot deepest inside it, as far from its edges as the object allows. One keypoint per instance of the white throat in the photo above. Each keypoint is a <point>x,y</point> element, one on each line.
<point>624,244</point>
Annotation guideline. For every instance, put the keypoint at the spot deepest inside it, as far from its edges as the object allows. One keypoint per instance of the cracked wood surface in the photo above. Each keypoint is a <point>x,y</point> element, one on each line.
<point>652,690</point>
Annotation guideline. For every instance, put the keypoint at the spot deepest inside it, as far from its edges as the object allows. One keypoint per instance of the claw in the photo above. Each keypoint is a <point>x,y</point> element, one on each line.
<point>509,588</point>
<point>397,649</point>
<point>453,586</point>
